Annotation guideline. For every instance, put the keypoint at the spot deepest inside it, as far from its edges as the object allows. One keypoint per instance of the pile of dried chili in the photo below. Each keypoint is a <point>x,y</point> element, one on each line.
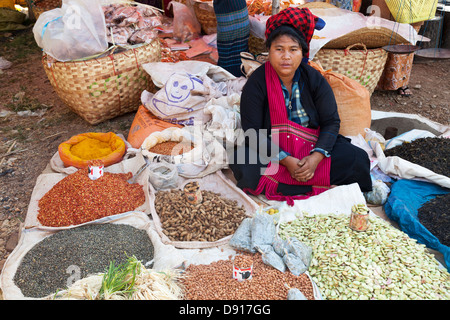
<point>77,199</point>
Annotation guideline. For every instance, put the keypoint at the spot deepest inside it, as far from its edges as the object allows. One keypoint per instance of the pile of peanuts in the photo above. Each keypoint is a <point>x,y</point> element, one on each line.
<point>215,282</point>
<point>242,261</point>
<point>212,219</point>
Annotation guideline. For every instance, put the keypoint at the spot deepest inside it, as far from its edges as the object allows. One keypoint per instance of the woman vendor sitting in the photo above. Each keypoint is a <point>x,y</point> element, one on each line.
<point>290,108</point>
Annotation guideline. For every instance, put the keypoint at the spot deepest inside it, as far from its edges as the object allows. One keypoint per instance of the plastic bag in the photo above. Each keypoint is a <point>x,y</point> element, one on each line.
<point>294,263</point>
<point>190,163</point>
<point>279,245</point>
<point>373,137</point>
<point>295,294</point>
<point>379,194</point>
<point>185,24</point>
<point>74,31</point>
<point>4,64</point>
<point>301,250</point>
<point>163,175</point>
<point>242,237</point>
<point>402,206</point>
<point>271,258</point>
<point>263,230</point>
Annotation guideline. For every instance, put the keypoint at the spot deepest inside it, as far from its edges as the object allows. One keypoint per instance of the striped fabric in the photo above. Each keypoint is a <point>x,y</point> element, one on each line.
<point>233,31</point>
<point>295,139</point>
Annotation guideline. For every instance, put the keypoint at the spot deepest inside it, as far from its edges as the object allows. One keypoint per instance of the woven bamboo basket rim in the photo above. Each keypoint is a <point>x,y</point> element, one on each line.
<point>106,56</point>
<point>102,88</point>
<point>351,49</point>
<point>371,37</point>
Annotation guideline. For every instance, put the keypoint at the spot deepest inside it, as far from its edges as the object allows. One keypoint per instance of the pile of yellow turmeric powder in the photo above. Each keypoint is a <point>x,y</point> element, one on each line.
<point>90,149</point>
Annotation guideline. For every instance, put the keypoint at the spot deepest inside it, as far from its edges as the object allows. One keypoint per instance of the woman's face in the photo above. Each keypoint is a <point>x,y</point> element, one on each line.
<point>285,55</point>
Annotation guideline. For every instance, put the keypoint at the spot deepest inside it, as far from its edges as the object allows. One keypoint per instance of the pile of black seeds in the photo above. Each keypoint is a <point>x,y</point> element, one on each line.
<point>88,249</point>
<point>430,153</point>
<point>435,216</point>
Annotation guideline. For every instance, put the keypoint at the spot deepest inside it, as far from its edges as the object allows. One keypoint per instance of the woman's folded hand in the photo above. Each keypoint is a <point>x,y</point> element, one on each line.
<point>302,169</point>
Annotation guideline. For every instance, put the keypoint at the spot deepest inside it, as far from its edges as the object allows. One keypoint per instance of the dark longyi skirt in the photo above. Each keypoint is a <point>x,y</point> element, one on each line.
<point>349,164</point>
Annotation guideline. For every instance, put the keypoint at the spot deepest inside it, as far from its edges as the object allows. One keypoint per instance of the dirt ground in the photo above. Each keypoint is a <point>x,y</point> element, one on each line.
<point>34,121</point>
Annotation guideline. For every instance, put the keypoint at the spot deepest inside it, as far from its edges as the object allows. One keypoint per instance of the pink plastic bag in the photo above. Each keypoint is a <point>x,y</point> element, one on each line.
<point>185,24</point>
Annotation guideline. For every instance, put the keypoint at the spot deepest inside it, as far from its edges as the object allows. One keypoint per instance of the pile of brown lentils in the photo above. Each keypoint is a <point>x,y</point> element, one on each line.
<point>77,199</point>
<point>215,282</point>
<point>172,148</point>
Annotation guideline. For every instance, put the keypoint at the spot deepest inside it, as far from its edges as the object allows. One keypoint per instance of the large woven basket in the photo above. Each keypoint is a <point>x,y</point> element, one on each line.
<point>104,88</point>
<point>371,37</point>
<point>204,11</point>
<point>363,65</point>
<point>412,10</point>
<point>40,6</point>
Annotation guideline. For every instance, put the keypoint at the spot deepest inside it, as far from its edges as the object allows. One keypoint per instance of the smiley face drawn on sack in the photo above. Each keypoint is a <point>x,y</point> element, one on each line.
<point>177,90</point>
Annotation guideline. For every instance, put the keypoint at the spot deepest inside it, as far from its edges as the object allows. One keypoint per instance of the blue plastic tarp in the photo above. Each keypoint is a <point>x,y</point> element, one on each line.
<point>402,206</point>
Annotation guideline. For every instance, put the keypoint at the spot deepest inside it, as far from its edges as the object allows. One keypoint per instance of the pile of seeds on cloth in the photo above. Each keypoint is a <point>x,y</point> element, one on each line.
<point>215,282</point>
<point>382,263</point>
<point>57,261</point>
<point>430,153</point>
<point>435,216</point>
<point>77,199</point>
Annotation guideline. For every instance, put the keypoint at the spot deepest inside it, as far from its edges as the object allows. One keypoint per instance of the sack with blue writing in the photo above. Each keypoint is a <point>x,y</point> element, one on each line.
<point>180,101</point>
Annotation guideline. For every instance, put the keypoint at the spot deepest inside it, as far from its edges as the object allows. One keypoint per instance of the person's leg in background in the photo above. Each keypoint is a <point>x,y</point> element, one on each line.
<point>233,31</point>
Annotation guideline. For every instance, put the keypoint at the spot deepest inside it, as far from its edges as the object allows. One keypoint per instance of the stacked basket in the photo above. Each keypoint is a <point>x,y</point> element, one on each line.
<point>362,64</point>
<point>104,88</point>
<point>40,6</point>
<point>359,54</point>
<point>413,10</point>
<point>204,11</point>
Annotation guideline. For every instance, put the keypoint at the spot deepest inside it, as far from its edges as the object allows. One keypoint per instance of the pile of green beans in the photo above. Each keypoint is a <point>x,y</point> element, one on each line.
<point>380,263</point>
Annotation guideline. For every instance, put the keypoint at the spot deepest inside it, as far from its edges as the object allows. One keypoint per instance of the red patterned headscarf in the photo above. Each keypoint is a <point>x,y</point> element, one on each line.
<point>299,18</point>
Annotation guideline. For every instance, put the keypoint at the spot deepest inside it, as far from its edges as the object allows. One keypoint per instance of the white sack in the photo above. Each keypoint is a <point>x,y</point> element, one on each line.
<point>225,117</point>
<point>207,156</point>
<point>185,88</point>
